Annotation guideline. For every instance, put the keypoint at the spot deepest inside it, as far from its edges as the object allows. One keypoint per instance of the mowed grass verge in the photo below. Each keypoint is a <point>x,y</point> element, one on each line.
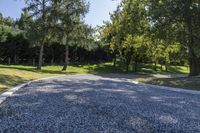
<point>12,75</point>
<point>189,83</point>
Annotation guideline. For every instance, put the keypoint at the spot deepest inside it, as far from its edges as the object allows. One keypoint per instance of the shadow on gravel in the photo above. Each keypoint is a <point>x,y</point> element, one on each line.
<point>123,76</point>
<point>80,105</point>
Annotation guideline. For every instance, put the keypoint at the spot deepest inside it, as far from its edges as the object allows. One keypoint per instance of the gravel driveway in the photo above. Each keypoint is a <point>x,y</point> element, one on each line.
<point>99,103</point>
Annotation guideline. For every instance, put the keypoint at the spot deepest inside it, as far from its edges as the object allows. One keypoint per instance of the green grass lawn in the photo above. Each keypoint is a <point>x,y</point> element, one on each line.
<point>13,75</point>
<point>190,83</point>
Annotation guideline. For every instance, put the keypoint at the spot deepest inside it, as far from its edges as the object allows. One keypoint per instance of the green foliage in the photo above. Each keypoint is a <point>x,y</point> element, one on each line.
<point>141,31</point>
<point>178,22</point>
<point>4,30</point>
<point>154,31</point>
<point>36,16</point>
<point>66,19</point>
<point>126,33</point>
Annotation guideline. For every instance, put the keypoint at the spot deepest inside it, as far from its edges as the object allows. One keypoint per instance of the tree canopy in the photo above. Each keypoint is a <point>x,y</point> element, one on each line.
<point>155,32</point>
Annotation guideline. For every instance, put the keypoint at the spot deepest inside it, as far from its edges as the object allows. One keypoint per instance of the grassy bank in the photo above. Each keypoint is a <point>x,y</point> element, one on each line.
<point>190,83</point>
<point>13,75</point>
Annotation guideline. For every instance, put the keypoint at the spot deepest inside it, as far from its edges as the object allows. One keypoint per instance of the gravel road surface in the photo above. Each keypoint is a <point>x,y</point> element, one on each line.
<point>99,104</point>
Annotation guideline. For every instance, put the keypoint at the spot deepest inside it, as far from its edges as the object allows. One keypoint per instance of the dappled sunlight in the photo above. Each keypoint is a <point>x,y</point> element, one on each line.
<point>133,97</point>
<point>47,90</point>
<point>76,99</point>
<point>107,66</point>
<point>158,99</point>
<point>137,123</point>
<point>86,97</point>
<point>168,119</point>
<point>83,90</point>
<point>119,90</point>
<point>71,97</point>
<point>28,104</point>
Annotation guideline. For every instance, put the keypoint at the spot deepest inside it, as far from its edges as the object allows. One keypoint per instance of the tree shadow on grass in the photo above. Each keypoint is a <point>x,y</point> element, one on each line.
<point>33,69</point>
<point>190,83</point>
<point>6,81</point>
<point>98,69</point>
<point>106,68</point>
<point>142,69</point>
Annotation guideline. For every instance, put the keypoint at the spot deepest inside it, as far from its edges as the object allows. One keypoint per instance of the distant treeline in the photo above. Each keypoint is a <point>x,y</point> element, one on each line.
<point>48,34</point>
<point>17,49</point>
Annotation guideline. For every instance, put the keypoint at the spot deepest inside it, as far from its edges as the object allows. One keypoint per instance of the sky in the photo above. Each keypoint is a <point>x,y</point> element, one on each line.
<point>99,10</point>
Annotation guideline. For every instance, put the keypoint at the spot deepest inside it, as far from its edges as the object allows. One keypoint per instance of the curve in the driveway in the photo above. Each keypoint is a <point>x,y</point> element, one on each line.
<point>89,103</point>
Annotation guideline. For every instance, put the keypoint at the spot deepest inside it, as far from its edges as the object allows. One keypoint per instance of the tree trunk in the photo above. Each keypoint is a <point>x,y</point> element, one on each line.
<point>193,62</point>
<point>114,61</point>
<point>66,58</point>
<point>198,66</point>
<point>166,66</point>
<point>15,59</point>
<point>75,54</point>
<point>161,66</point>
<point>155,65</point>
<point>136,66</point>
<point>127,65</point>
<point>9,61</point>
<point>52,61</point>
<point>33,62</point>
<point>39,67</point>
<point>53,56</point>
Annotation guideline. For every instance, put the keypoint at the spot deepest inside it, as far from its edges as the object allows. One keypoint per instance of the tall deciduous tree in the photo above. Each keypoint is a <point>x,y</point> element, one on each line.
<point>127,30</point>
<point>183,16</point>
